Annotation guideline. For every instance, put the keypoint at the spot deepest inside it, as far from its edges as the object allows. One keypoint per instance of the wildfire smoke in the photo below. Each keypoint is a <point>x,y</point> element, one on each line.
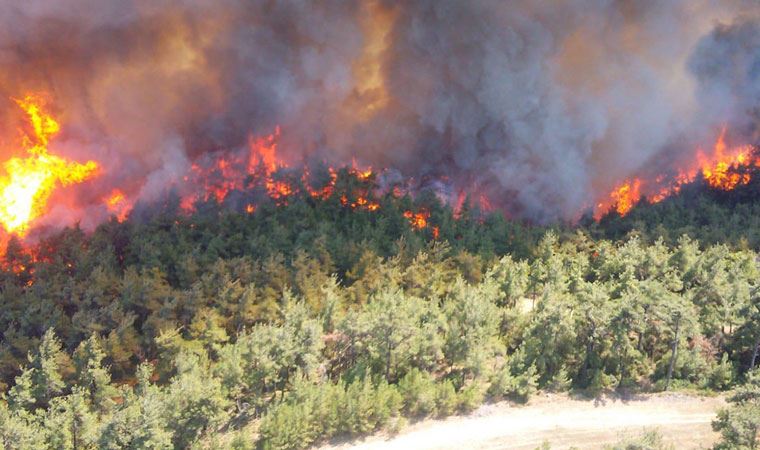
<point>537,109</point>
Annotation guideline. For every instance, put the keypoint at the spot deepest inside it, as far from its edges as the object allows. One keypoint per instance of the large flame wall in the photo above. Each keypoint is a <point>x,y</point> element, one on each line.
<point>544,108</point>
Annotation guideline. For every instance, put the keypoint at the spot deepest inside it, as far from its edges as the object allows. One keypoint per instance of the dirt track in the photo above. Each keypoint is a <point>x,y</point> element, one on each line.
<point>563,422</point>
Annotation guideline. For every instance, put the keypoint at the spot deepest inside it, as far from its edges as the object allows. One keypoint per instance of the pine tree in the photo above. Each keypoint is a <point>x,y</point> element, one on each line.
<point>389,335</point>
<point>194,401</point>
<point>141,420</point>
<point>512,278</point>
<point>472,322</point>
<point>91,376</point>
<point>739,423</point>
<point>42,380</point>
<point>20,430</point>
<point>69,423</point>
<point>21,394</point>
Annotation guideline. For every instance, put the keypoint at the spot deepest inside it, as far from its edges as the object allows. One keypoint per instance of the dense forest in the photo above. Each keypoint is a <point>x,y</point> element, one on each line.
<point>312,318</point>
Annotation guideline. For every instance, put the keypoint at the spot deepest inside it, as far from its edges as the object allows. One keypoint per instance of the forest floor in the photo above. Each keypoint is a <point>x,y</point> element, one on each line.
<point>683,420</point>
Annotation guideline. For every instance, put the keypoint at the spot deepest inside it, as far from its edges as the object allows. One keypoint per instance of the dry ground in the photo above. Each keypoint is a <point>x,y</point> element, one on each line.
<point>564,422</point>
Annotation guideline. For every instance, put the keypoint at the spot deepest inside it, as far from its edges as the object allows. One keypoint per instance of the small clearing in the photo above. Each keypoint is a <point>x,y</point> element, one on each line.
<point>564,422</point>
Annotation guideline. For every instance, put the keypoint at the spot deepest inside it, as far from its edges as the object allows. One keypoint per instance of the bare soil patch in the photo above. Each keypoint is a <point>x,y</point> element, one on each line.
<point>564,422</point>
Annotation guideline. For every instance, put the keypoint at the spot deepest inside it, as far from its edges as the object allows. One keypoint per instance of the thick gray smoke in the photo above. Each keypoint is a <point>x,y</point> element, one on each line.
<point>726,64</point>
<point>543,106</point>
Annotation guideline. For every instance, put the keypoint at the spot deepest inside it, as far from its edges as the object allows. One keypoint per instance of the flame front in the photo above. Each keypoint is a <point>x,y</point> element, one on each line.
<point>418,220</point>
<point>260,166</point>
<point>622,198</point>
<point>724,169</point>
<point>27,183</point>
<point>118,205</point>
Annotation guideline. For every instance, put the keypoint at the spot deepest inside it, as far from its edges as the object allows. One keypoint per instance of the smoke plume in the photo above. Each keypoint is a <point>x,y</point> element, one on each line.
<point>541,106</point>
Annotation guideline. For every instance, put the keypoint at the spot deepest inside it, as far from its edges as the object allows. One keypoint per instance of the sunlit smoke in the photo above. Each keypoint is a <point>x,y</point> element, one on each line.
<point>536,109</point>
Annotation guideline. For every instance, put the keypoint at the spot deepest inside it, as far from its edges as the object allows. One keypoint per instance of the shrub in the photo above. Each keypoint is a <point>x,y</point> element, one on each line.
<point>286,427</point>
<point>721,376</point>
<point>470,397</point>
<point>649,440</point>
<point>739,423</point>
<point>313,412</point>
<point>445,398</point>
<point>514,387</point>
<point>419,392</point>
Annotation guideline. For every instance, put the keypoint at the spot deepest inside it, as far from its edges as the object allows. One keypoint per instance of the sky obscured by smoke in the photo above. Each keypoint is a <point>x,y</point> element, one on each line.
<point>543,106</point>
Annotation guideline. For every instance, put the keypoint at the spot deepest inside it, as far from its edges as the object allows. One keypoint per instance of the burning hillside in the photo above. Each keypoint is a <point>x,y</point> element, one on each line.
<point>539,111</point>
<point>723,169</point>
<point>239,179</point>
<point>243,178</point>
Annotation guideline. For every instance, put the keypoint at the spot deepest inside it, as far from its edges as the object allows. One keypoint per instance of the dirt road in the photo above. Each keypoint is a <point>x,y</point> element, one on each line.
<point>564,422</point>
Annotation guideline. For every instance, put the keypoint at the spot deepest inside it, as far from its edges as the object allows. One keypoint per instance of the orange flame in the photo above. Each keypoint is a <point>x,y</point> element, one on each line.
<point>264,152</point>
<point>418,220</point>
<point>28,183</point>
<point>358,197</point>
<point>279,190</point>
<point>118,205</point>
<point>229,171</point>
<point>260,167</point>
<point>361,174</point>
<point>323,192</point>
<point>724,169</point>
<point>625,196</point>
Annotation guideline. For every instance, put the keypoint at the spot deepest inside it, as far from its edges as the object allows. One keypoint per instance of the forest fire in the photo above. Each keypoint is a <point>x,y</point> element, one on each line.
<point>286,224</point>
<point>216,176</point>
<point>259,94</point>
<point>28,182</point>
<point>325,191</point>
<point>418,220</point>
<point>725,169</point>
<point>261,167</point>
<point>361,202</point>
<point>118,205</point>
<point>622,199</point>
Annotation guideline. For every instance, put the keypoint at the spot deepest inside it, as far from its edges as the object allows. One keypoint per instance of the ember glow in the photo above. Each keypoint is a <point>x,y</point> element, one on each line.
<point>118,205</point>
<point>418,220</point>
<point>324,192</point>
<point>724,169</point>
<point>261,169</point>
<point>28,182</point>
